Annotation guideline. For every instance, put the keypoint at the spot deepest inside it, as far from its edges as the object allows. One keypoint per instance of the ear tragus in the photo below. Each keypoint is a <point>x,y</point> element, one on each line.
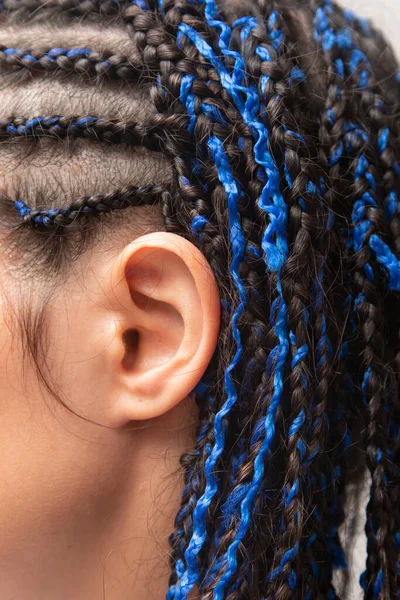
<point>168,327</point>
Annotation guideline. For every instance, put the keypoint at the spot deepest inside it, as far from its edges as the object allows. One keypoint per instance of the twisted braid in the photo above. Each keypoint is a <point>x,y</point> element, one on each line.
<point>379,112</point>
<point>154,134</point>
<point>81,61</point>
<point>371,324</point>
<point>38,10</point>
<point>324,544</point>
<point>279,97</point>
<point>60,127</point>
<point>278,90</point>
<point>55,218</point>
<point>247,493</point>
<point>81,6</point>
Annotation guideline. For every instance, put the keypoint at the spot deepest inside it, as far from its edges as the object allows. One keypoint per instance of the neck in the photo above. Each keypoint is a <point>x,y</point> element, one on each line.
<point>111,540</point>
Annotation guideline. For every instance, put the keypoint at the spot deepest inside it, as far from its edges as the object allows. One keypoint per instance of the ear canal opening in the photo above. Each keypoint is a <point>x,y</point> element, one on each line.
<point>130,339</point>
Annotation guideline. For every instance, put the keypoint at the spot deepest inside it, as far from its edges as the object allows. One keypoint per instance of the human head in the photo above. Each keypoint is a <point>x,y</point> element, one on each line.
<point>264,135</point>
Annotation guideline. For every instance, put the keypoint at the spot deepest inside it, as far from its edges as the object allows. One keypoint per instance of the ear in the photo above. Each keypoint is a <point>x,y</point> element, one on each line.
<point>168,306</point>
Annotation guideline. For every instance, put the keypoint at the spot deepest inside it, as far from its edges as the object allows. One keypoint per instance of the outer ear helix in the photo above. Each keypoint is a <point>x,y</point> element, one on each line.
<point>150,385</point>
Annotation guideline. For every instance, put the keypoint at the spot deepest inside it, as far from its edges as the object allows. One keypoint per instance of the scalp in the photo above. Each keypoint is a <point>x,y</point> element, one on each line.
<point>55,171</point>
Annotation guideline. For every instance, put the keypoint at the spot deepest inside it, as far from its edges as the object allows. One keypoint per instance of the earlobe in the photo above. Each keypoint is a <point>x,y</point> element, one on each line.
<point>168,327</point>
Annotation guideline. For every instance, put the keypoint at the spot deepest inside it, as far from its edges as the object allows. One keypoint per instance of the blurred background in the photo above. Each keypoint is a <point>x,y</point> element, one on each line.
<point>385,15</point>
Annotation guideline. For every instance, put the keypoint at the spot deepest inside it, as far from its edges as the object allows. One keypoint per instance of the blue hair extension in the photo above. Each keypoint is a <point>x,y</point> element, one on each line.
<point>384,143</point>
<point>99,63</point>
<point>271,199</point>
<point>385,135</point>
<point>191,576</point>
<point>384,256</point>
<point>275,252</point>
<point>338,42</point>
<point>275,33</point>
<point>192,481</point>
<point>324,358</point>
<point>387,259</point>
<point>353,19</point>
<point>269,432</point>
<point>230,510</point>
<point>141,4</point>
<point>44,217</point>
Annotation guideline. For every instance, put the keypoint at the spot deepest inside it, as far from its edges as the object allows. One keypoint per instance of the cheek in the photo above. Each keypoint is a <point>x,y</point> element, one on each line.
<point>53,465</point>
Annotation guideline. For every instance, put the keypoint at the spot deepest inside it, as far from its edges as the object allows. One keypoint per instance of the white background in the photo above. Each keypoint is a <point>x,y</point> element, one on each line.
<point>385,14</point>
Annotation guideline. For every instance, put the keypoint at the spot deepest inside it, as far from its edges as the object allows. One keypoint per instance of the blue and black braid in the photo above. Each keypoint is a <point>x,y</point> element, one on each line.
<point>76,8</point>
<point>147,133</point>
<point>370,229</point>
<point>58,218</point>
<point>80,61</point>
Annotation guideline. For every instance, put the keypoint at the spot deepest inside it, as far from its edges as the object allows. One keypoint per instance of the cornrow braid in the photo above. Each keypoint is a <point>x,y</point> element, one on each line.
<point>55,218</point>
<point>81,61</point>
<point>76,7</point>
<point>89,127</point>
<point>147,133</point>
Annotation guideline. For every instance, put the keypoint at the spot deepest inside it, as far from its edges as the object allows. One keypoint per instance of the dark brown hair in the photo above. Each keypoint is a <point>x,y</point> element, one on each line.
<point>280,121</point>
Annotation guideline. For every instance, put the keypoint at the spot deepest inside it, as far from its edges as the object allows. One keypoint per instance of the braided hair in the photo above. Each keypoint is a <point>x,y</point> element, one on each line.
<point>280,121</point>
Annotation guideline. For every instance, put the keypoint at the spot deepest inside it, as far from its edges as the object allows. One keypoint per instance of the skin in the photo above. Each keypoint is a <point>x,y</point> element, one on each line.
<point>90,492</point>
